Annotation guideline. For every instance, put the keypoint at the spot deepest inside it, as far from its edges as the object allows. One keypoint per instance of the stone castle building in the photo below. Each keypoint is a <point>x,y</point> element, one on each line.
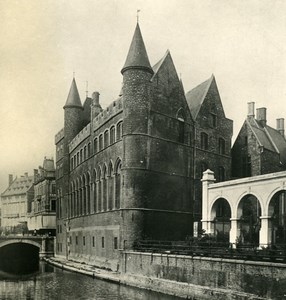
<point>127,173</point>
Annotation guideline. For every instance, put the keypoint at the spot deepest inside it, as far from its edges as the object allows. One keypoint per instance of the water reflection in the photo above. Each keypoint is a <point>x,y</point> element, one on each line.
<point>52,283</point>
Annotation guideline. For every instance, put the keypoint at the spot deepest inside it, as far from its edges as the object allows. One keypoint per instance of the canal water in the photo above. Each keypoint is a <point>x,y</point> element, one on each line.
<point>51,283</point>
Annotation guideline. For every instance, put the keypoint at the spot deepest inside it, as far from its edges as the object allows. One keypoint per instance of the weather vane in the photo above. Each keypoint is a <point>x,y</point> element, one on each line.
<point>138,11</point>
<point>86,89</point>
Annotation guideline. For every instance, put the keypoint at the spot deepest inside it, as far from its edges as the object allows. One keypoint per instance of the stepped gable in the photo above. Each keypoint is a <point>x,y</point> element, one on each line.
<point>196,96</point>
<point>73,99</point>
<point>137,57</point>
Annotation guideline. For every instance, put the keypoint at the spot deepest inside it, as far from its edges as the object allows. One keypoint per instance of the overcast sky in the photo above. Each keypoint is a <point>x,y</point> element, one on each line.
<point>43,42</point>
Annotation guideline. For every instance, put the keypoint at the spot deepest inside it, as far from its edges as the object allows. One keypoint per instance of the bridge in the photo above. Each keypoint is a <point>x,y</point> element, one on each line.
<point>249,210</point>
<point>44,244</point>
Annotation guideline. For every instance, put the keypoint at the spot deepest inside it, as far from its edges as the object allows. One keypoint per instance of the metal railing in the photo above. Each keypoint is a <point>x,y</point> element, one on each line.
<point>273,253</point>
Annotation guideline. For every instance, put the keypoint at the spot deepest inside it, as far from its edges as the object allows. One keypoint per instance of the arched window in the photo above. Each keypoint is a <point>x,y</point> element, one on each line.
<point>95,185</point>
<point>100,142</point>
<point>104,188</point>
<point>88,188</point>
<point>95,145</point>
<point>99,197</point>
<point>110,179</point>
<point>106,139</point>
<point>88,149</point>
<point>204,141</point>
<point>84,153</point>
<point>221,146</point>
<point>71,163</point>
<point>117,183</point>
<point>83,191</point>
<point>118,131</point>
<point>80,156</point>
<point>112,135</point>
<point>77,159</point>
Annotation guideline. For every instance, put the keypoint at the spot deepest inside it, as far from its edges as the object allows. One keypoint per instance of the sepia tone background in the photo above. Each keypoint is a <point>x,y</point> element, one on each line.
<point>43,42</point>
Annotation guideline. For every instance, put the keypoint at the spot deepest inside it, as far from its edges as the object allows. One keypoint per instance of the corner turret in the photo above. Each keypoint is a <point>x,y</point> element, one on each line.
<point>137,57</point>
<point>73,114</point>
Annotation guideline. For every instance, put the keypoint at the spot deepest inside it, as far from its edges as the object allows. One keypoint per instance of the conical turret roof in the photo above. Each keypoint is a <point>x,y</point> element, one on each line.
<point>73,99</point>
<point>137,57</point>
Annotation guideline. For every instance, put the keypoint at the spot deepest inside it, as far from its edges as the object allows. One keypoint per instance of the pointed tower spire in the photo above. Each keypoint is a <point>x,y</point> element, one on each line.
<point>137,57</point>
<point>73,99</point>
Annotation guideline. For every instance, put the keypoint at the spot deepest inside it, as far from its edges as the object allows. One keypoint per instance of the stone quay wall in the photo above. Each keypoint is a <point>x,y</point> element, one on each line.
<point>203,277</point>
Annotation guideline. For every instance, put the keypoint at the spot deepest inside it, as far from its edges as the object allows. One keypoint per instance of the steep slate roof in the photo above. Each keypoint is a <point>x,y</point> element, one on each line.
<point>157,66</point>
<point>137,55</point>
<point>19,186</point>
<point>73,99</point>
<point>196,96</point>
<point>269,138</point>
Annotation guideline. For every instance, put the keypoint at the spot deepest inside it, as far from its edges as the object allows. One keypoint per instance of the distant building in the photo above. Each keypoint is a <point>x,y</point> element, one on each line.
<point>258,149</point>
<point>14,203</point>
<point>213,133</point>
<point>42,210</point>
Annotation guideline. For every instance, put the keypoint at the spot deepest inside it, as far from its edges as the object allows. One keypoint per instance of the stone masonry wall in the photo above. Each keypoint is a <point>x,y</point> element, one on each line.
<point>263,279</point>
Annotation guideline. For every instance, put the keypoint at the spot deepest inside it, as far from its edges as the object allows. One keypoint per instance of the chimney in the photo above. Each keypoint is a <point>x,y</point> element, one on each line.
<point>280,126</point>
<point>10,178</point>
<point>250,106</point>
<point>36,174</point>
<point>261,115</point>
<point>95,98</point>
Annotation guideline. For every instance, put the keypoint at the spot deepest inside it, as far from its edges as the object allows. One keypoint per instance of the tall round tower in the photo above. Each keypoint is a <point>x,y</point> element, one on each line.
<point>137,73</point>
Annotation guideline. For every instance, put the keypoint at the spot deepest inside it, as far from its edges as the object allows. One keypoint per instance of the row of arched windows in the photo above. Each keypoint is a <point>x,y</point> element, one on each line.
<point>109,137</point>
<point>101,193</point>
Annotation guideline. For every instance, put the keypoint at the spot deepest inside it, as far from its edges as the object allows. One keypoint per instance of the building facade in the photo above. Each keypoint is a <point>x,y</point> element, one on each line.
<point>125,173</point>
<point>42,210</point>
<point>212,140</point>
<point>258,148</point>
<point>14,203</point>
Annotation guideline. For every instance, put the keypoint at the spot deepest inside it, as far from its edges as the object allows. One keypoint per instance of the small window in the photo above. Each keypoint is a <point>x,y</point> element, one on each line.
<point>112,135</point>
<point>204,141</point>
<point>70,240</point>
<point>106,139</point>
<point>95,146</point>
<point>84,153</point>
<point>221,174</point>
<point>119,131</point>
<point>213,120</point>
<point>88,150</point>
<point>221,146</point>
<point>100,142</point>
<point>102,242</point>
<point>83,240</point>
<point>245,141</point>
<point>93,241</point>
<point>76,240</point>
<point>115,243</point>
